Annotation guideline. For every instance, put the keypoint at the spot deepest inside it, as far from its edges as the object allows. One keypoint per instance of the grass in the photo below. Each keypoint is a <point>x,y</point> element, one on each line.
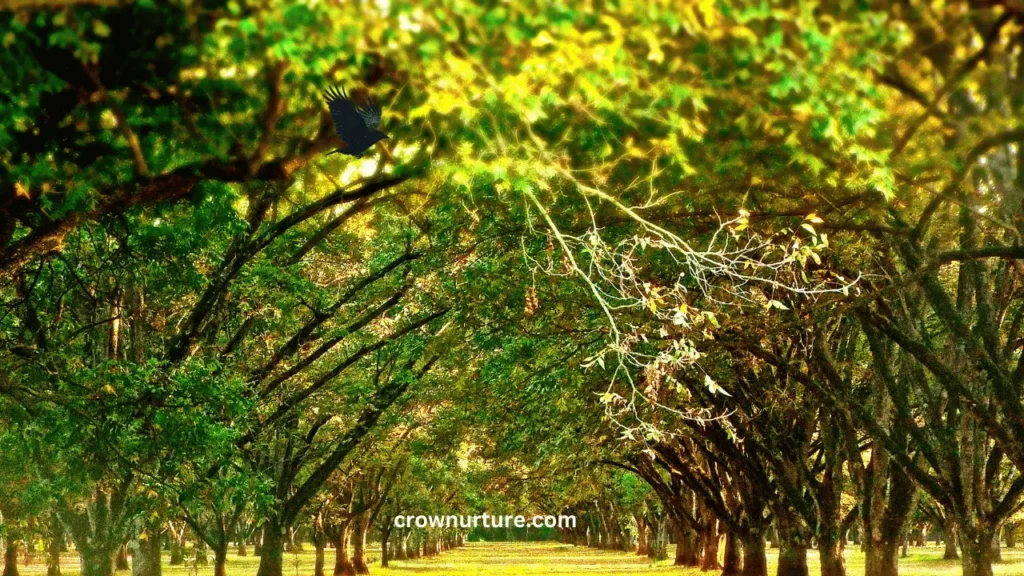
<point>506,558</point>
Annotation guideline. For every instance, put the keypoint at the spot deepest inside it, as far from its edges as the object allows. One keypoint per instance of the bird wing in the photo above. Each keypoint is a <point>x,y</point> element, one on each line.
<point>348,121</point>
<point>370,113</point>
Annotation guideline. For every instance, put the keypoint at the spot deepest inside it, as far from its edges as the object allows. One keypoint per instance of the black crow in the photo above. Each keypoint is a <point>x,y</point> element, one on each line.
<point>356,126</point>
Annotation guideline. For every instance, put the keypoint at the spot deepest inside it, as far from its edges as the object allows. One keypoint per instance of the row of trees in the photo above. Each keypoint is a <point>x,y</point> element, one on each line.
<point>782,243</point>
<point>205,328</point>
<point>806,410</point>
<point>873,373</point>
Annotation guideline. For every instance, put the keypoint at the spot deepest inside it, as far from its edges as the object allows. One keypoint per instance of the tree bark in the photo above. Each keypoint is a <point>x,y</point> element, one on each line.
<point>318,564</point>
<point>949,540</point>
<point>731,556</point>
<point>342,564</point>
<point>146,551</point>
<point>641,536</point>
<point>831,558</point>
<point>414,549</point>
<point>792,559</point>
<point>361,527</point>
<point>755,561</point>
<point>976,553</point>
<point>11,556</point>
<point>257,545</point>
<point>53,551</point>
<point>121,559</point>
<point>709,548</point>
<point>401,553</point>
<point>272,549</point>
<point>657,541</point>
<point>220,560</point>
<point>686,548</point>
<point>96,561</point>
<point>881,558</point>
<point>177,547</point>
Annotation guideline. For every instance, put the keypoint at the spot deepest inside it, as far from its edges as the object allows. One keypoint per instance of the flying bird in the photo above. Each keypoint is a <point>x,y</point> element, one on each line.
<point>357,126</point>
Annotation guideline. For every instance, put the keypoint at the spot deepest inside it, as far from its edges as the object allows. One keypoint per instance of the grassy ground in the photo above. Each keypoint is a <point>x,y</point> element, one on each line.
<point>494,559</point>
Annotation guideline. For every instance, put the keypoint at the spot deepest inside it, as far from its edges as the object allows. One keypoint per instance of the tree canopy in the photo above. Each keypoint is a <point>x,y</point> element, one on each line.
<point>702,273</point>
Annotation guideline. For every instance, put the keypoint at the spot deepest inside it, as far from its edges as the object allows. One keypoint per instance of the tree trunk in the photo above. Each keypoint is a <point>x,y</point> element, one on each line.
<point>414,550</point>
<point>361,525</point>
<point>686,548</point>
<point>11,557</point>
<point>1010,534</point>
<point>241,549</point>
<point>121,560</point>
<point>272,550</point>
<point>428,546</point>
<point>625,541</point>
<point>342,564</point>
<point>976,551</point>
<point>792,559</point>
<point>831,558</point>
<point>55,544</point>
<point>657,542</point>
<point>220,560</point>
<point>997,552</point>
<point>641,536</point>
<point>53,555</point>
<point>318,564</point>
<point>949,540</point>
<point>97,561</point>
<point>401,553</point>
<point>881,558</point>
<point>731,556</point>
<point>755,562</point>
<point>257,545</point>
<point>177,548</point>
<point>146,551</point>
<point>709,548</point>
<point>384,550</point>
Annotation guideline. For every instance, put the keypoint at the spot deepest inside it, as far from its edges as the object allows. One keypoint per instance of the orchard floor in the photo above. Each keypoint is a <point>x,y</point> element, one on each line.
<point>500,559</point>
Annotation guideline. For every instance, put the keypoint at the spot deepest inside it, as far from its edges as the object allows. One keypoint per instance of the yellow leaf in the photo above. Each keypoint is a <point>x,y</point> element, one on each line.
<point>543,39</point>
<point>613,25</point>
<point>707,10</point>
<point>743,33</point>
<point>444,103</point>
<point>100,28</point>
<point>655,54</point>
